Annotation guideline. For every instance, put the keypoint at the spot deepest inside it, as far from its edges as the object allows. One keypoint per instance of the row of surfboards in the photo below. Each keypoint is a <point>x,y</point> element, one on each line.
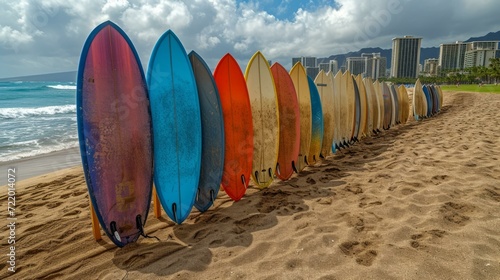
<point>427,100</point>
<point>192,131</point>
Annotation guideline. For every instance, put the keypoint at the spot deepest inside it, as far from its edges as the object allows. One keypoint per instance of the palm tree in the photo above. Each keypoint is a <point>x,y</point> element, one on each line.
<point>495,68</point>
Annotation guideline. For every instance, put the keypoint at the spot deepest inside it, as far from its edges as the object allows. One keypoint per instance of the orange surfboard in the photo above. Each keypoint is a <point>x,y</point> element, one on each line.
<point>289,120</point>
<point>238,129</point>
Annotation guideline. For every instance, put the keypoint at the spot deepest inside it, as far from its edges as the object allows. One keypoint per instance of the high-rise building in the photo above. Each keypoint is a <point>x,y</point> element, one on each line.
<point>334,66</point>
<point>376,65</point>
<point>309,62</point>
<point>295,60</point>
<point>357,65</point>
<point>331,66</point>
<point>405,57</point>
<point>479,53</point>
<point>431,66</point>
<point>368,65</point>
<point>452,56</point>
<point>312,72</point>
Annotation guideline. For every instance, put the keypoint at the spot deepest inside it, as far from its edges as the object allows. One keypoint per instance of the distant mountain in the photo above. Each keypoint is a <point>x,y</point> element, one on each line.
<point>425,53</point>
<point>53,77</point>
<point>492,36</point>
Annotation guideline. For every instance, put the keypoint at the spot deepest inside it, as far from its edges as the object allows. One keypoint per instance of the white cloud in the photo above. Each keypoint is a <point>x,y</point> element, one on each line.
<point>58,28</point>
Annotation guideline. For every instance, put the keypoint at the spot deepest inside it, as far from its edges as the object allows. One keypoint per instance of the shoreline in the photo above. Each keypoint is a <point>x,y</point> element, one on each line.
<point>30,167</point>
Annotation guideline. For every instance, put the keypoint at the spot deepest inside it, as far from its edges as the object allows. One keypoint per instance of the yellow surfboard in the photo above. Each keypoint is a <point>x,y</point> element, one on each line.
<point>363,100</point>
<point>325,89</point>
<point>419,102</point>
<point>339,89</point>
<point>405,104</point>
<point>265,116</point>
<point>440,92</point>
<point>380,102</point>
<point>351,106</point>
<point>372,106</point>
<point>299,79</point>
<point>336,107</point>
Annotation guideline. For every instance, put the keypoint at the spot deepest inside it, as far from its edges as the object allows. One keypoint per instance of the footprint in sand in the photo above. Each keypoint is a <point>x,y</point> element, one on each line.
<point>455,212</point>
<point>362,251</point>
<point>420,239</point>
<point>354,189</point>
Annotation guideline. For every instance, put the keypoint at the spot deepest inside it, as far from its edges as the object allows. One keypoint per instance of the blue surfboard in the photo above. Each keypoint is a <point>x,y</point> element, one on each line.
<point>427,93</point>
<point>317,123</point>
<point>212,134</point>
<point>175,111</point>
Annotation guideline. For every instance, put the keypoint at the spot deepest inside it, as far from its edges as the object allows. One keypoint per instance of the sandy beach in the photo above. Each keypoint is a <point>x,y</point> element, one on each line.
<point>42,164</point>
<point>419,201</point>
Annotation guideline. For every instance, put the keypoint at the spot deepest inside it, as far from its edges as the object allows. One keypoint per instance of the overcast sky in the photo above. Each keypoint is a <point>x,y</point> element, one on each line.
<point>47,36</point>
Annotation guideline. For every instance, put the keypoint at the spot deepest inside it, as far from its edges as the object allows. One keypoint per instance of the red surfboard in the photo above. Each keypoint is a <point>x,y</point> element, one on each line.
<point>238,128</point>
<point>289,121</point>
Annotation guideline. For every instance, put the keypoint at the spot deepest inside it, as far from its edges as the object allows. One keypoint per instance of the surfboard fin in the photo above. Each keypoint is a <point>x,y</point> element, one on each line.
<point>278,168</point>
<point>197,194</point>
<point>305,160</point>
<point>112,226</point>
<point>174,210</point>
<point>212,193</point>
<point>294,168</point>
<point>244,181</point>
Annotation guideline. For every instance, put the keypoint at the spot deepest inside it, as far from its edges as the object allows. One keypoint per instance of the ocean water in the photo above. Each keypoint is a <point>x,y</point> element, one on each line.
<point>36,118</point>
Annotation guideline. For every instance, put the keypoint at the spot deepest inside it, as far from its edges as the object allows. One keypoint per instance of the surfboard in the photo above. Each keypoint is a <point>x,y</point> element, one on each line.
<point>265,116</point>
<point>357,113</point>
<point>351,106</point>
<point>440,91</point>
<point>317,130</point>
<point>212,134</point>
<point>405,101</point>
<point>238,127</point>
<point>301,85</point>
<point>340,87</point>
<point>372,108</point>
<point>380,101</point>
<point>435,100</point>
<point>336,119</point>
<point>114,131</point>
<point>400,103</point>
<point>365,106</point>
<point>395,105</point>
<point>438,105</point>
<point>428,100</point>
<point>324,84</point>
<point>289,120</point>
<point>386,94</point>
<point>419,101</point>
<point>177,139</point>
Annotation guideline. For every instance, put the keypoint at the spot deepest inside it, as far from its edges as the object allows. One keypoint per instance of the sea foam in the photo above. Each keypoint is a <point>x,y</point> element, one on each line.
<point>67,87</point>
<point>16,113</point>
